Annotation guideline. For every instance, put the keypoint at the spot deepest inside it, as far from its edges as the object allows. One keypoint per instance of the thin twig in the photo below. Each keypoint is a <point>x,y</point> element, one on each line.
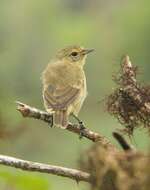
<point>44,168</point>
<point>28,111</point>
<point>121,140</point>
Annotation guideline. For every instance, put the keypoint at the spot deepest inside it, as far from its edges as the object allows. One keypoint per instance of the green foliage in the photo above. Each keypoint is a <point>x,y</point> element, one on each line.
<point>19,180</point>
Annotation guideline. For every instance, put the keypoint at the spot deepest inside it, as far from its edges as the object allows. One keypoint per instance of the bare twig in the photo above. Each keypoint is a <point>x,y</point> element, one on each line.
<point>44,168</point>
<point>28,111</point>
<point>121,140</point>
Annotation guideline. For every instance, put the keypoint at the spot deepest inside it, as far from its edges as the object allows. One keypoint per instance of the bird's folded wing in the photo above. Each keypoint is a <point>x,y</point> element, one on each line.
<point>60,98</point>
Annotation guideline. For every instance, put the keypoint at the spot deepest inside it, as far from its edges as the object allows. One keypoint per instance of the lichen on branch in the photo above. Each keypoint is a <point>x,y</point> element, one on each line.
<point>130,101</point>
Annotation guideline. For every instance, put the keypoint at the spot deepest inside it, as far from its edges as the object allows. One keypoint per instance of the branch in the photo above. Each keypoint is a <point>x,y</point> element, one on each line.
<point>28,111</point>
<point>130,101</point>
<point>44,168</point>
<point>139,93</point>
<point>123,143</point>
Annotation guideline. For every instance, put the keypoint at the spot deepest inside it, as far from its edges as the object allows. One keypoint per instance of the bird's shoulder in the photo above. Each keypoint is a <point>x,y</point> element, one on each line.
<point>55,68</point>
<point>60,73</point>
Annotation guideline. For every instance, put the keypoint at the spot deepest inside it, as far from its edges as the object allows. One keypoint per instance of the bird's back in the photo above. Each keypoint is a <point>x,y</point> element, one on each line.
<point>61,75</point>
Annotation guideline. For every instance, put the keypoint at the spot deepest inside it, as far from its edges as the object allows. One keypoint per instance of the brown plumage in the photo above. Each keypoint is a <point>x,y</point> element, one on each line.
<point>64,84</point>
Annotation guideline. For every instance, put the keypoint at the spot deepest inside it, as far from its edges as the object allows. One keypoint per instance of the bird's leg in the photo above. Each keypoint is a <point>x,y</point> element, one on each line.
<point>51,123</point>
<point>81,125</point>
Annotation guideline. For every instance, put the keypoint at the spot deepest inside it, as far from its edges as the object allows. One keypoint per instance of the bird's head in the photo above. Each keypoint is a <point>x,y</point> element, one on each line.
<point>73,55</point>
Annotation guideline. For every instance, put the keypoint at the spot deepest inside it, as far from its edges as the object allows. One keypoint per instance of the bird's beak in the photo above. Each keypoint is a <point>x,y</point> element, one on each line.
<point>87,51</point>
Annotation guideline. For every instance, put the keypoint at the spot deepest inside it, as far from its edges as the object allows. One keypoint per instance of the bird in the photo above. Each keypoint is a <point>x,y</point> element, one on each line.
<point>64,84</point>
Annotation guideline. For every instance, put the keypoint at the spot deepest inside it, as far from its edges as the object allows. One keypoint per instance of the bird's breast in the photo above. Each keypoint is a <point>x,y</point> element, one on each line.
<point>84,90</point>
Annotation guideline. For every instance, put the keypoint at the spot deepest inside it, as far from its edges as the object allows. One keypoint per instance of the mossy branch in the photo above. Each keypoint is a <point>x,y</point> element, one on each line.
<point>130,101</point>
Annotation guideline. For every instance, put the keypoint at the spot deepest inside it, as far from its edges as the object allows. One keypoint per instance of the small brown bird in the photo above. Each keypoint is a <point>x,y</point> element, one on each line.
<point>64,84</point>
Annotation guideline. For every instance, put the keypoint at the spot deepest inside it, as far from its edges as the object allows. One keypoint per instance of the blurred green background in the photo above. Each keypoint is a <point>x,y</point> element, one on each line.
<point>30,34</point>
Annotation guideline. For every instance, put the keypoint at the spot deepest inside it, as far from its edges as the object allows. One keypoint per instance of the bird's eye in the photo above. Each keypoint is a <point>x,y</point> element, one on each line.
<point>74,53</point>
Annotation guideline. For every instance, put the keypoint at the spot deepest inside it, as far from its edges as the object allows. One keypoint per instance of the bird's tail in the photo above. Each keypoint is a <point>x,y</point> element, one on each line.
<point>60,118</point>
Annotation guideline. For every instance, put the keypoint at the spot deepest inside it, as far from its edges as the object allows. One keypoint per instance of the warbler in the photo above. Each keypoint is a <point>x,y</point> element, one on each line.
<point>64,84</point>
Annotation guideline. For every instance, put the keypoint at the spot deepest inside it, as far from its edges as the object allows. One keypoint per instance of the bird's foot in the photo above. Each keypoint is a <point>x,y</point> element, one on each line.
<point>82,128</point>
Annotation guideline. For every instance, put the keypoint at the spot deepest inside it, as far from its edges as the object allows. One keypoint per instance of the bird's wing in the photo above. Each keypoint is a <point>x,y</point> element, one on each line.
<point>60,98</point>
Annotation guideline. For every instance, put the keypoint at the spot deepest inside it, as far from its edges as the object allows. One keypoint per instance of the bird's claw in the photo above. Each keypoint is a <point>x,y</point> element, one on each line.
<point>82,127</point>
